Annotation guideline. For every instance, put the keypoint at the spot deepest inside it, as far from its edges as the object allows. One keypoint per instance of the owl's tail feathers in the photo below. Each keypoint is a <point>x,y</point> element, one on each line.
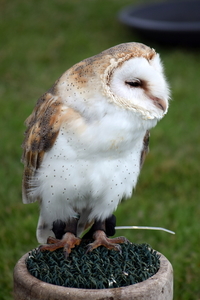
<point>44,230</point>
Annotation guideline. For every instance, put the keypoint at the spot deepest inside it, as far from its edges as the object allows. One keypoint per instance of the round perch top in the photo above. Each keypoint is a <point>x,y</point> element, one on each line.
<point>99,269</point>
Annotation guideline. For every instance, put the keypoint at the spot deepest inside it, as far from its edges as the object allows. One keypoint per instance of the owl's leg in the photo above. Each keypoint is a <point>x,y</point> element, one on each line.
<point>101,239</point>
<point>65,233</point>
<point>110,224</point>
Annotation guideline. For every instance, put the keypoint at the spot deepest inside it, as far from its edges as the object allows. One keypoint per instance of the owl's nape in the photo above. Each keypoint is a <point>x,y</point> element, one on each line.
<point>65,233</point>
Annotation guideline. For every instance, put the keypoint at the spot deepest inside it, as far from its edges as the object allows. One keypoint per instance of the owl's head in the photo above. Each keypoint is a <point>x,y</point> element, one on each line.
<point>128,75</point>
<point>135,81</point>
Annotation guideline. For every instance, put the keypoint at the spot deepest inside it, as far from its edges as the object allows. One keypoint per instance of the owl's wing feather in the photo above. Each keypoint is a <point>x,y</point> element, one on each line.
<point>145,149</point>
<point>42,129</point>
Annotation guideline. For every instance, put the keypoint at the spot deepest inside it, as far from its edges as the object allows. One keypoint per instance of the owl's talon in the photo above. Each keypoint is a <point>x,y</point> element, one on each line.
<point>100,239</point>
<point>126,241</point>
<point>68,242</point>
<point>118,248</point>
<point>66,253</point>
<point>89,248</point>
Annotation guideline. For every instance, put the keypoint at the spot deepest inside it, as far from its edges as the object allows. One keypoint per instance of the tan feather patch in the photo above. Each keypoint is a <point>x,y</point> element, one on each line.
<point>43,127</point>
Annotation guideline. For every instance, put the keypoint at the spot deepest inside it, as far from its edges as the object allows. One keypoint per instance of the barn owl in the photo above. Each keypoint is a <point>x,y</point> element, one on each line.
<point>86,141</point>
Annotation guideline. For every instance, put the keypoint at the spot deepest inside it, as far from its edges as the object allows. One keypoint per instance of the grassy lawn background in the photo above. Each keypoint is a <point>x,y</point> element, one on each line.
<point>39,41</point>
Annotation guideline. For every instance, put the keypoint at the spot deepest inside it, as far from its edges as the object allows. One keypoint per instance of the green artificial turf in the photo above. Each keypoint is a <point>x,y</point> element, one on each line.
<point>99,269</point>
<point>39,40</point>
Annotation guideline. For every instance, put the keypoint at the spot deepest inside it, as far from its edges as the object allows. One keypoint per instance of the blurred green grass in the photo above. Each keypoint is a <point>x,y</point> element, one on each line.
<point>39,41</point>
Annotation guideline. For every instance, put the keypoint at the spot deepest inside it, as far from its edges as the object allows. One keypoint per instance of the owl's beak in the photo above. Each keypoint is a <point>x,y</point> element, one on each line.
<point>160,103</point>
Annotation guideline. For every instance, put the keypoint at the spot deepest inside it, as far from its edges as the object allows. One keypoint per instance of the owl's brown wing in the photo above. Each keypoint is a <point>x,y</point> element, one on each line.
<point>145,149</point>
<point>42,129</point>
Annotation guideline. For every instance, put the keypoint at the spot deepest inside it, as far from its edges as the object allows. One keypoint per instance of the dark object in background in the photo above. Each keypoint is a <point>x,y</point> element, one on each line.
<point>172,22</point>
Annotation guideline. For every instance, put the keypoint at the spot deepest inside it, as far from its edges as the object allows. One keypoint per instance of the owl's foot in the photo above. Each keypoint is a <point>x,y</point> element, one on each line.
<point>100,239</point>
<point>68,242</point>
